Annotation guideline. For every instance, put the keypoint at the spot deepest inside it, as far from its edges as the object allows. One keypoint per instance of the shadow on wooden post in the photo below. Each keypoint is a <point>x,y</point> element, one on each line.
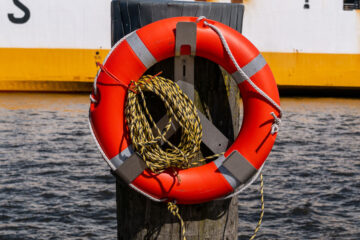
<point>140,218</point>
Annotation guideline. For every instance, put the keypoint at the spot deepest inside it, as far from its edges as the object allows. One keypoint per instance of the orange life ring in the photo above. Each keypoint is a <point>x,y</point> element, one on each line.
<point>132,56</point>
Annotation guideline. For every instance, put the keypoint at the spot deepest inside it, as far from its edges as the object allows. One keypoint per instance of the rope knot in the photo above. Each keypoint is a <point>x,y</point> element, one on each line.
<point>133,87</point>
<point>199,19</point>
<point>92,98</point>
<point>276,124</point>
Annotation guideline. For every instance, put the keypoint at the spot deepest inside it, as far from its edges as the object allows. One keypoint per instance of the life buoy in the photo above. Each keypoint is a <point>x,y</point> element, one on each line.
<point>132,56</point>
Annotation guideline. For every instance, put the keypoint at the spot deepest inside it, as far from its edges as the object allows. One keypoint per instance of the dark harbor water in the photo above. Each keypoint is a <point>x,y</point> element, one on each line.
<point>54,184</point>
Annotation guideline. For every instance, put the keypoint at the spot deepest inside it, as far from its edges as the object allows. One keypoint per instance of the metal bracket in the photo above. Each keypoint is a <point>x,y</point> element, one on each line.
<point>185,35</point>
<point>212,137</point>
<point>184,71</point>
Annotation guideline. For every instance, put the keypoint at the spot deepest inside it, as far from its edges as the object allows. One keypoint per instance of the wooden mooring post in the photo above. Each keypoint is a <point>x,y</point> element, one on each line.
<point>139,217</point>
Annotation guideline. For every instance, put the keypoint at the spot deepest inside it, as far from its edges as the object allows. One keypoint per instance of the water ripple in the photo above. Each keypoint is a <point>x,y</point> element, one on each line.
<point>55,185</point>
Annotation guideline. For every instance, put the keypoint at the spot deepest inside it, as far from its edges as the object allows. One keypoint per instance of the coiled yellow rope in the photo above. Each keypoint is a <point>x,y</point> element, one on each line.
<point>179,108</point>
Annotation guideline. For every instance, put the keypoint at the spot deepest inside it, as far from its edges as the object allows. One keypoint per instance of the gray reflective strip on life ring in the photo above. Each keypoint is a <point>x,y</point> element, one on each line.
<point>141,51</point>
<point>226,174</point>
<point>128,165</point>
<point>235,169</point>
<point>131,168</point>
<point>250,69</point>
<point>119,159</point>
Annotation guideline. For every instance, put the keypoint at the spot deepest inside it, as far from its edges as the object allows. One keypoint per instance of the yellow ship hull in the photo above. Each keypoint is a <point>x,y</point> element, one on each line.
<point>55,70</point>
<point>73,70</point>
<point>315,70</point>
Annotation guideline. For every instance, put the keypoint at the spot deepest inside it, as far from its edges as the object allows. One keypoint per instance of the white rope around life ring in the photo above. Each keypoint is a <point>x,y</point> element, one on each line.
<point>277,121</point>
